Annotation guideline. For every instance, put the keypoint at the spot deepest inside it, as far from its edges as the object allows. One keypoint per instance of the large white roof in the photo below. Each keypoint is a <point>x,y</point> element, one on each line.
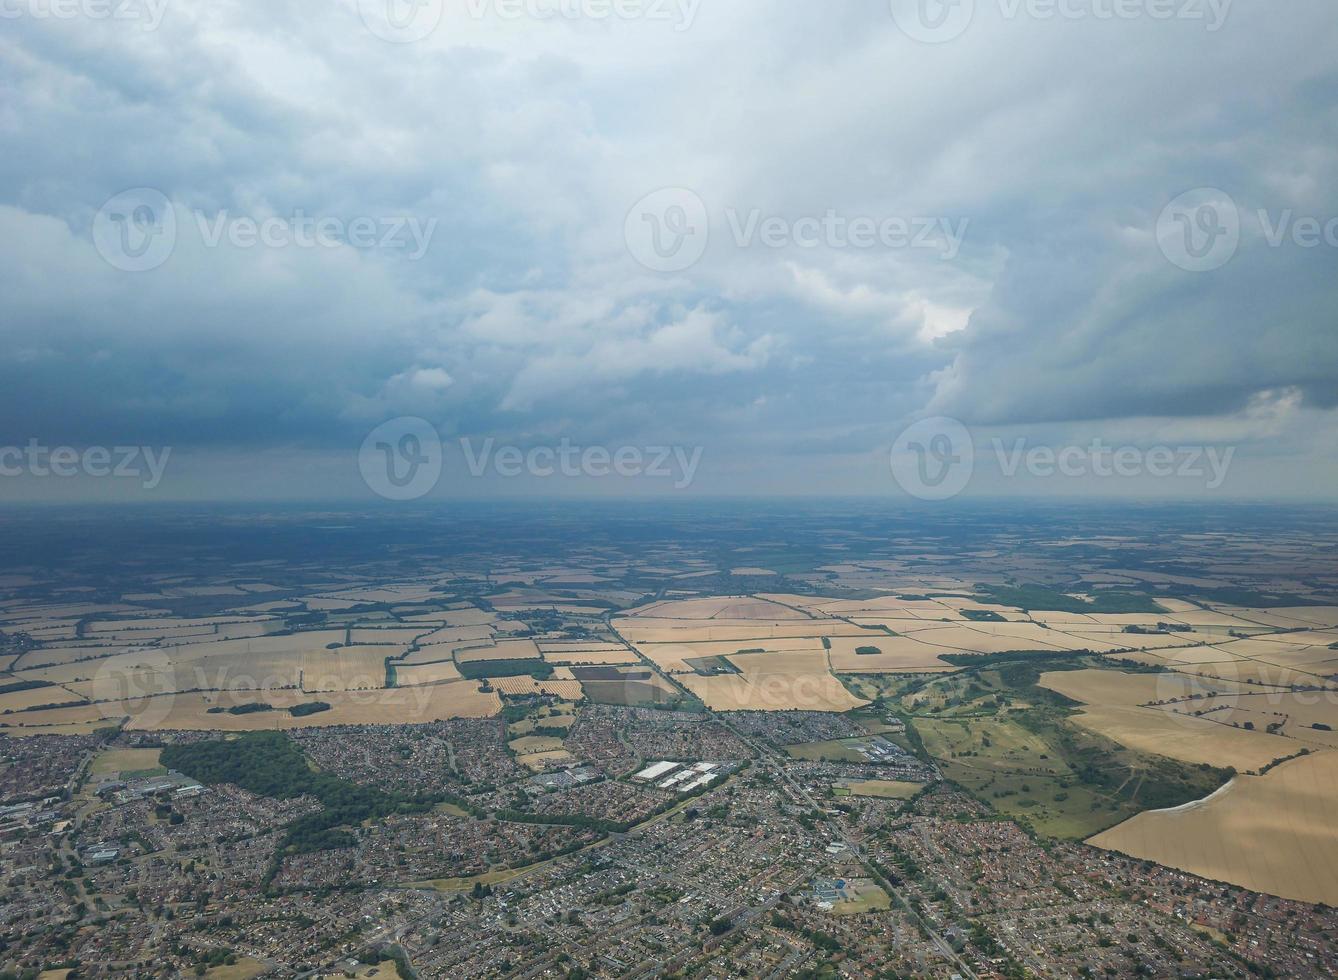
<point>656,769</point>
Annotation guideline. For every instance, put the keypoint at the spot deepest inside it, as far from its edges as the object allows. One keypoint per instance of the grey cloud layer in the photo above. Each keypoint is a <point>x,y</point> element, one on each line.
<point>1058,141</point>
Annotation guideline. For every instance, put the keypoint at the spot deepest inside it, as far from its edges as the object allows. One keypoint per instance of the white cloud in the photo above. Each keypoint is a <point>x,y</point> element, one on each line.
<point>699,342</point>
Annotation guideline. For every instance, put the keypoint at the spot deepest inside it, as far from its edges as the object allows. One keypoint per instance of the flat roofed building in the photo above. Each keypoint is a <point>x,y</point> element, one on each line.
<point>656,770</point>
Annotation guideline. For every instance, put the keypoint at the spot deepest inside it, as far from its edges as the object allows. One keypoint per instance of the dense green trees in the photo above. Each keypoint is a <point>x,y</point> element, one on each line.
<point>269,764</point>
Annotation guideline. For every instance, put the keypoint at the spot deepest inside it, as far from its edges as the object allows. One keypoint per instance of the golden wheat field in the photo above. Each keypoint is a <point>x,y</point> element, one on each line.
<point>638,631</point>
<point>1251,674</point>
<point>567,690</point>
<point>895,654</point>
<point>774,682</point>
<point>621,655</point>
<point>400,636</point>
<point>357,668</point>
<point>411,675</point>
<point>501,650</point>
<point>1189,739</point>
<point>456,635</point>
<point>771,692</point>
<point>673,657</point>
<point>1117,687</point>
<point>1273,833</point>
<point>84,716</point>
<point>718,607</point>
<point>13,701</point>
<point>416,705</point>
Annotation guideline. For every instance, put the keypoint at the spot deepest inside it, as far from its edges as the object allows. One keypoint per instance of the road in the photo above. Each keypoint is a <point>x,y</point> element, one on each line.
<point>839,831</point>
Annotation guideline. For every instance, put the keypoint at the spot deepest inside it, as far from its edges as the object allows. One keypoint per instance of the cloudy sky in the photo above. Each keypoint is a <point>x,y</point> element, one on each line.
<point>767,236</point>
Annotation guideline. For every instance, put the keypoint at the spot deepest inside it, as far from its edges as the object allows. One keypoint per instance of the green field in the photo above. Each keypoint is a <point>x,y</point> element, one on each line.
<point>545,721</point>
<point>882,789</point>
<point>866,896</point>
<point>880,687</point>
<point>540,670</point>
<point>130,763</point>
<point>1012,745</point>
<point>833,750</point>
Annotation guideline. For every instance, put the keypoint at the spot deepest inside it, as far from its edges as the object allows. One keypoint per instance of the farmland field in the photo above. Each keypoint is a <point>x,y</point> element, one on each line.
<point>764,690</point>
<point>501,650</point>
<point>884,789</point>
<point>567,690</point>
<point>410,675</point>
<point>832,750</point>
<point>615,648</point>
<point>718,607</point>
<point>909,653</point>
<point>125,761</point>
<point>1273,833</point>
<point>1110,701</point>
<point>355,668</point>
<point>429,702</point>
<point>611,653</point>
<point>11,701</point>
